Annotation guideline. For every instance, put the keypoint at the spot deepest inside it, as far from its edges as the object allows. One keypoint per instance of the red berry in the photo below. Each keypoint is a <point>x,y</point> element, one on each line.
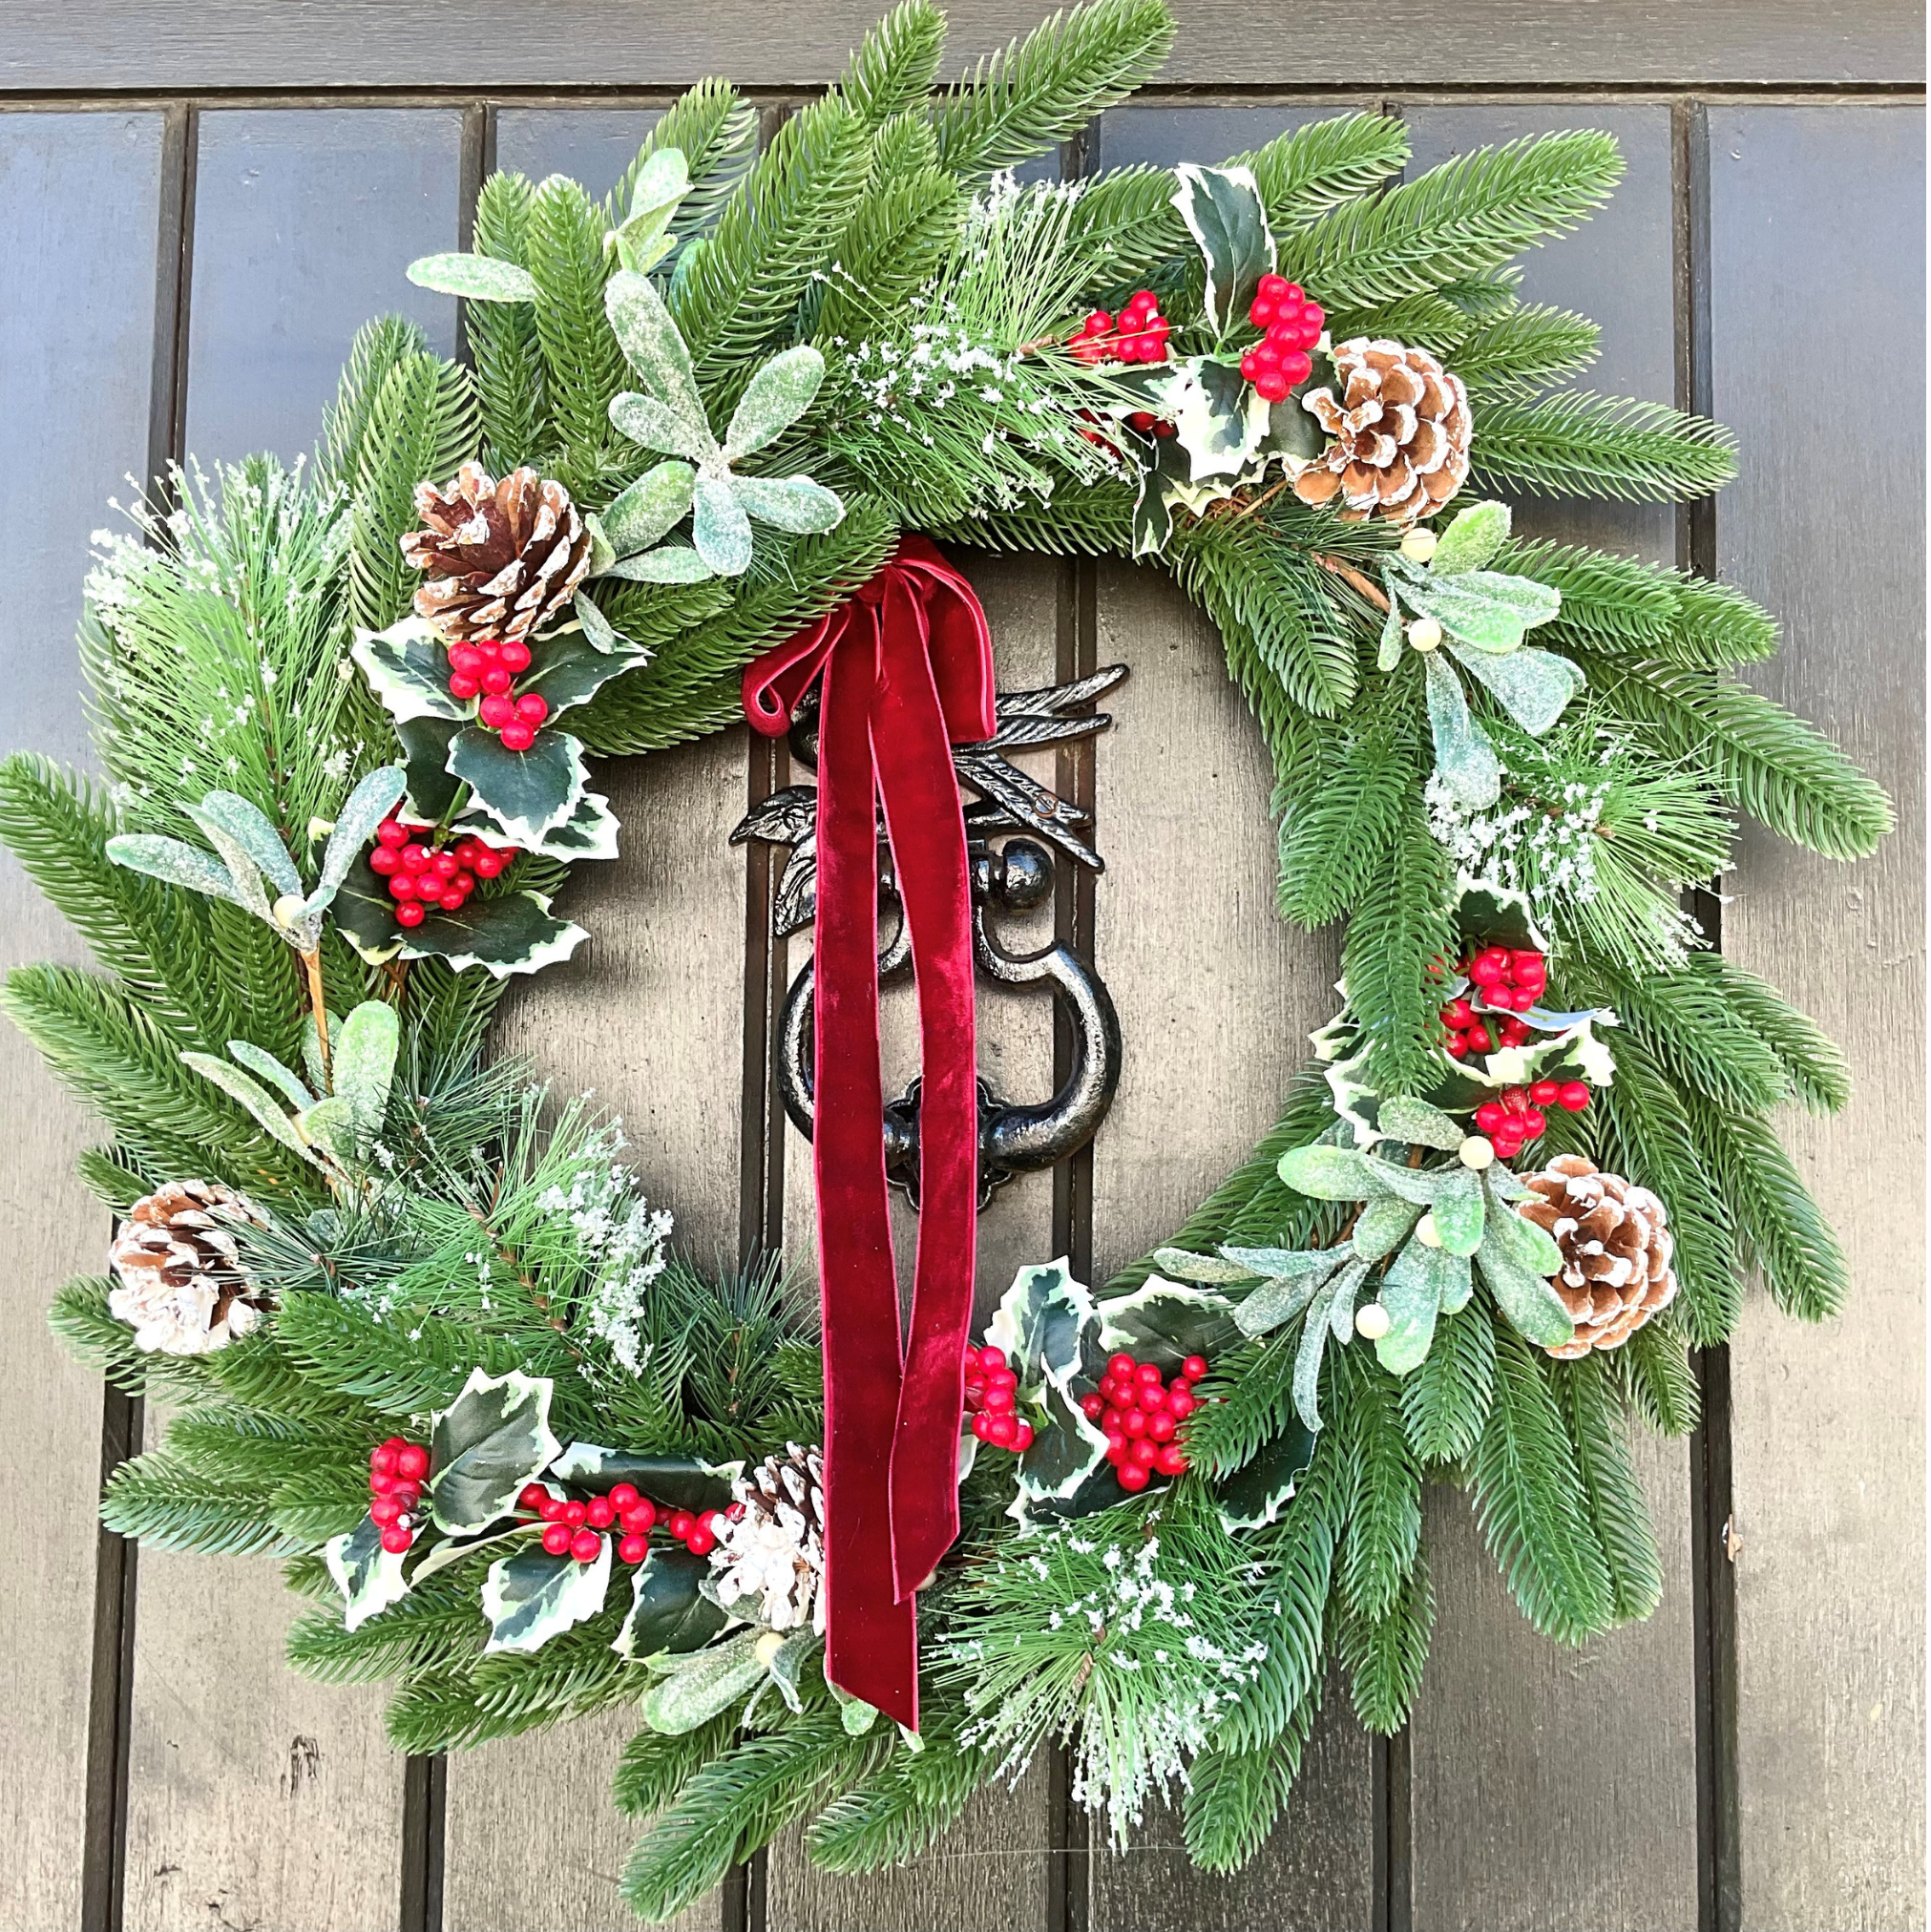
<point>415,858</point>
<point>701,1542</point>
<point>383,861</point>
<point>1120,1367</point>
<point>1313,316</point>
<point>517,737</point>
<point>465,660</point>
<point>532,1496</point>
<point>413,1461</point>
<point>1508,1146</point>
<point>382,1458</point>
<point>681,1525</point>
<point>1293,292</point>
<point>1489,1116</point>
<point>1456,1045</point>
<point>1512,1032</point>
<point>633,1549</point>
<point>1516,1100</point>
<point>623,1496</point>
<point>1295,368</point>
<point>391,833</point>
<point>600,1515</point>
<point>451,901</point>
<point>1180,1404</point>
<point>982,1426</point>
<point>396,1538</point>
<point>1573,1096</point>
<point>404,886</point>
<point>1161,1428</point>
<point>495,681</point>
<point>1534,1122</point>
<point>1260,311</point>
<point>576,1514</point>
<point>975,1392</point>
<point>1116,1445</point>
<point>464,687</point>
<point>1093,1406</point>
<point>488,865</point>
<point>1148,1375</point>
<point>1171,1461</point>
<point>999,1401</point>
<point>1099,323</point>
<point>1144,1453</point>
<point>496,712</point>
<point>381,1482</point>
<point>384,1509</point>
<point>1002,1430</point>
<point>1133,1423</point>
<point>1151,1399</point>
<point>1457,1013</point>
<point>557,1538</point>
<point>1249,369</point>
<point>1545,1091</point>
<point>550,1509</point>
<point>410,914</point>
<point>1274,385</point>
<point>1476,1039</point>
<point>1273,286</point>
<point>1193,1368</point>
<point>586,1545</point>
<point>1022,1439</point>
<point>514,655</point>
<point>1132,1476</point>
<point>639,1517</point>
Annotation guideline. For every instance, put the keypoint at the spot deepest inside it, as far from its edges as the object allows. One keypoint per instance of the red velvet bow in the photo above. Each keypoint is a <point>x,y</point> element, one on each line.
<point>908,669</point>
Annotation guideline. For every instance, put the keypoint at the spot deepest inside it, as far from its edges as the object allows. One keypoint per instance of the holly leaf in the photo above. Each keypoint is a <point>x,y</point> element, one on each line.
<point>1259,1490</point>
<point>408,671</point>
<point>474,278</point>
<point>485,1446</point>
<point>1100,1490</point>
<point>526,792</point>
<point>1063,1452</point>
<point>781,392</point>
<point>589,832</point>
<point>1471,539</point>
<point>1166,1321</point>
<point>1219,418</point>
<point>505,933</point>
<point>1039,1322</point>
<point>1534,687</point>
<point>668,1613</point>
<point>683,1481</point>
<point>1226,217</point>
<point>533,1596</point>
<point>648,508</point>
<point>572,666</point>
<point>370,1576</point>
<point>1488,914</point>
<point>1463,754</point>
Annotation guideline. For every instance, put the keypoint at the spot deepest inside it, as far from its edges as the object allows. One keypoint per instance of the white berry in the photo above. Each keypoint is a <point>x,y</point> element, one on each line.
<point>1478,1152</point>
<point>1418,545</point>
<point>768,1647</point>
<point>288,909</point>
<point>1373,1322</point>
<point>1427,1232</point>
<point>1425,634</point>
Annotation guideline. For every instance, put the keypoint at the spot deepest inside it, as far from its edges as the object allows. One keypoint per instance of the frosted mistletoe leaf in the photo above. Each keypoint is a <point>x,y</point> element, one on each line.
<point>1280,1300</point>
<point>365,1066</point>
<point>1382,1226</point>
<point>408,669</point>
<point>485,1446</point>
<point>793,504</point>
<point>668,1613</point>
<point>233,824</point>
<point>667,563</point>
<point>258,1059</point>
<point>1388,654</point>
<point>327,1127</point>
<point>248,1093</point>
<point>702,1684</point>
<point>1282,1263</point>
<point>662,182</point>
<point>174,863</point>
<point>1224,213</point>
<point>1481,608</point>
<point>652,346</point>
<point>720,530</point>
<point>365,807</point>
<point>476,278</point>
<point>1521,1240</point>
<point>1533,1307</point>
<point>1458,1210</point>
<point>370,1576</point>
<point>1418,1124</point>
<point>1180,1264</point>
<point>1471,539</point>
<point>1329,1173</point>
<point>1166,1321</point>
<point>781,392</point>
<point>1412,1294</point>
<point>1308,1357</point>
<point>526,792</point>
<point>1534,687</point>
<point>1463,755</point>
<point>653,424</point>
<point>648,508</point>
<point>1261,1488</point>
<point>533,1596</point>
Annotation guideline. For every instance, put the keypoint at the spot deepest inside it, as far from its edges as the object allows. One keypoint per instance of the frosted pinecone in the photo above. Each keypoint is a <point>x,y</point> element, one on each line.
<point>772,1553</point>
<point>182,1286</point>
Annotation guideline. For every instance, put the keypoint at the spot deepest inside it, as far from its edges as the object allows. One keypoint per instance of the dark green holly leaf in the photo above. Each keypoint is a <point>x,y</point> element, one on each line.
<point>1166,1321</point>
<point>485,1446</point>
<point>1255,1494</point>
<point>1224,213</point>
<point>526,792</point>
<point>368,1576</point>
<point>668,1613</point>
<point>408,671</point>
<point>1100,1490</point>
<point>1066,1449</point>
<point>426,751</point>
<point>571,667</point>
<point>683,1481</point>
<point>532,1597</point>
<point>1039,1322</point>
<point>504,932</point>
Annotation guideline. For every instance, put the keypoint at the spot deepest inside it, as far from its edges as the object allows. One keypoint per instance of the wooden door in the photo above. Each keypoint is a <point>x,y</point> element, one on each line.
<point>197,208</point>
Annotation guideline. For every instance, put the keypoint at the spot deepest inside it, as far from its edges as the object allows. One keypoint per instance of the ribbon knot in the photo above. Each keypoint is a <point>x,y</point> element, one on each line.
<point>907,672</point>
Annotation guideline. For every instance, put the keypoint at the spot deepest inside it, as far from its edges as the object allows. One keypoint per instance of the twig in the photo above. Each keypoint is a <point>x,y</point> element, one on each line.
<point>318,999</point>
<point>1349,574</point>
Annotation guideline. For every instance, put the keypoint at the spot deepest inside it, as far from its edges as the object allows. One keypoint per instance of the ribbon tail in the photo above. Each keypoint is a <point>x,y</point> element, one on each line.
<point>872,1637</point>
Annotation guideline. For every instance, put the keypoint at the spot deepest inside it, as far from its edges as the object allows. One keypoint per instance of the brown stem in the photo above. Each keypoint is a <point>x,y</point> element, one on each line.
<point>1349,574</point>
<point>397,973</point>
<point>1261,501</point>
<point>318,999</point>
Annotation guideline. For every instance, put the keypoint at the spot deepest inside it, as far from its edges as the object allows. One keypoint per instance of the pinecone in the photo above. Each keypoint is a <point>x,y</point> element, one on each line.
<point>183,1288</point>
<point>1616,1249</point>
<point>502,558</point>
<point>772,1549</point>
<point>1400,433</point>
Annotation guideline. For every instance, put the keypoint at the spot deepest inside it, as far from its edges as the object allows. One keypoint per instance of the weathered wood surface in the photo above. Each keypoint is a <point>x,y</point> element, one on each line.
<point>1827,1434</point>
<point>323,44</point>
<point>1535,1768</point>
<point>79,199</point>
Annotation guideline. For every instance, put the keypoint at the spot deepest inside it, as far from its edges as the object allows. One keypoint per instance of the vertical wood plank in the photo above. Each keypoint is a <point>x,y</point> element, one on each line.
<point>647,1018</point>
<point>1216,997</point>
<point>1533,1768</point>
<point>257,1797</point>
<point>1827,1434</point>
<point>991,1872</point>
<point>79,200</point>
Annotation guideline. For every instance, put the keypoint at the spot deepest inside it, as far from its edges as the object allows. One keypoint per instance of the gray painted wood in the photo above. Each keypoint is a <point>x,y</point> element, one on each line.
<point>492,43</point>
<point>304,225</point>
<point>590,144</point>
<point>79,199</point>
<point>991,1872</point>
<point>1535,1768</point>
<point>1827,1438</point>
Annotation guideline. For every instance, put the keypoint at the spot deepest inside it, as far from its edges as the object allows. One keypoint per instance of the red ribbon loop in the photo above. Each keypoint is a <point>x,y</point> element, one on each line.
<point>908,671</point>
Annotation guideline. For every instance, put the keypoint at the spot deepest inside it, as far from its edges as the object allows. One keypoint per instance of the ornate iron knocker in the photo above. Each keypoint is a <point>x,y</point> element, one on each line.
<point>1016,876</point>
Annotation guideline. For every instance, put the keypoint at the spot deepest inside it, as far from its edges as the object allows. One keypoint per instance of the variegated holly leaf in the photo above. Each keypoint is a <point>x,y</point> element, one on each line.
<point>572,666</point>
<point>1100,1490</point>
<point>526,792</point>
<point>668,1611</point>
<point>1219,417</point>
<point>1533,686</point>
<point>1040,1323</point>
<point>1161,473</point>
<point>533,1596</point>
<point>1064,1454</point>
<point>485,1446</point>
<point>1489,914</point>
<point>1227,219</point>
<point>370,1576</point>
<point>589,832</point>
<point>474,278</point>
<point>1256,1493</point>
<point>408,670</point>
<point>1166,1321</point>
<point>504,932</point>
<point>683,1481</point>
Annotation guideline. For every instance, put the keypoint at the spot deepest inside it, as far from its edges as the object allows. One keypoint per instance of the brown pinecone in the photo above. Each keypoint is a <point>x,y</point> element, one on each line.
<point>772,1549</point>
<point>1400,430</point>
<point>502,558</point>
<point>183,1288</point>
<point>1616,1249</point>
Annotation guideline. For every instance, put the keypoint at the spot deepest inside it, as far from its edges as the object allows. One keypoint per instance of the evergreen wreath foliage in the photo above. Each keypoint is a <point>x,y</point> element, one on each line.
<point>437,1263</point>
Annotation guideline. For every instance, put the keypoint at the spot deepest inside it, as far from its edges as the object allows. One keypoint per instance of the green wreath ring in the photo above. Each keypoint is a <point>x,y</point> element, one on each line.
<point>423,1338</point>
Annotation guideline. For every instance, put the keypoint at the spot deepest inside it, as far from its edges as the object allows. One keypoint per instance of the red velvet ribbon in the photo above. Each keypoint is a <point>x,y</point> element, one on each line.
<point>908,671</point>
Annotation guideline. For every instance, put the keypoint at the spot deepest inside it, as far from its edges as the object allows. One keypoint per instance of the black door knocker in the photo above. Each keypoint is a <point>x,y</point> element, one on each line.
<point>1012,872</point>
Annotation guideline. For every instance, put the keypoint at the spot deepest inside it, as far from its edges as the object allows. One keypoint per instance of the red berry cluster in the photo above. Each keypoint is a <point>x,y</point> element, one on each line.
<point>991,1393</point>
<point>1509,981</point>
<point>1471,1032</point>
<point>491,668</point>
<point>1150,425</point>
<point>1138,334</point>
<point>575,1529</point>
<point>1293,326</point>
<point>421,877</point>
<point>1142,1413</point>
<point>396,1469</point>
<point>1518,1115</point>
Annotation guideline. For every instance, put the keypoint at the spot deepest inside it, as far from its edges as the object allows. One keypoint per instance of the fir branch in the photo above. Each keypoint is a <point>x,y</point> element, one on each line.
<point>894,67</point>
<point>1384,1656</point>
<point>894,244</point>
<point>1127,226</point>
<point>1248,1400</point>
<point>1445,1401</point>
<point>1041,90</point>
<point>1525,350</point>
<point>1384,1524</point>
<point>114,1177</point>
<point>1308,171</point>
<point>1333,849</point>
<point>655,1766</point>
<point>1689,1029</point>
<point>1813,1066</point>
<point>1652,1373</point>
<point>167,1506</point>
<point>379,347</point>
<point>903,1805</point>
<point>439,1623</point>
<point>1532,1506</point>
<point>510,377</point>
<point>1580,445</point>
<point>101,1341</point>
<point>1618,1511</point>
<point>584,368</point>
<point>1233,1798</point>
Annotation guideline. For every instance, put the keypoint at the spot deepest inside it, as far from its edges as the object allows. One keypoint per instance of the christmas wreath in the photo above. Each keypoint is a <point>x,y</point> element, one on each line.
<point>419,1332</point>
